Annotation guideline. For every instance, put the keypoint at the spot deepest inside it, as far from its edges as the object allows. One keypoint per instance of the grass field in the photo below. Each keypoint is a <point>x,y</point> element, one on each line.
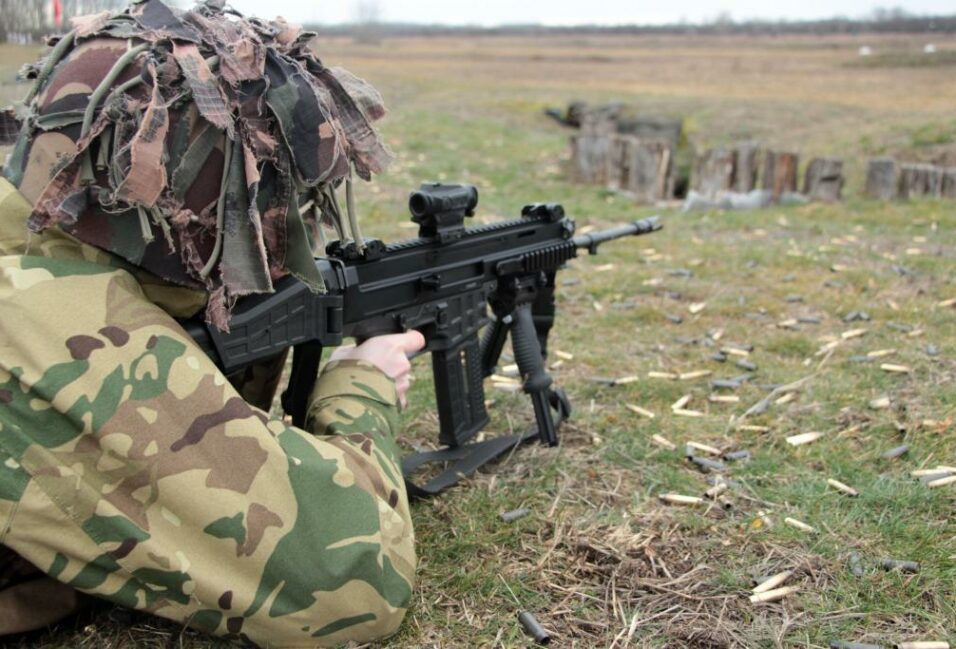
<point>600,560</point>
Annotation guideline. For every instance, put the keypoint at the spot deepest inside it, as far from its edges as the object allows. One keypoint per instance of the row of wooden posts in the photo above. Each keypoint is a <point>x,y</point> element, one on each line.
<point>645,170</point>
<point>886,179</point>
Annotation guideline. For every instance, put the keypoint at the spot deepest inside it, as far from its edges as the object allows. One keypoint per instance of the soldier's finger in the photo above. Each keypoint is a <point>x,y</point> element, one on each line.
<point>411,341</point>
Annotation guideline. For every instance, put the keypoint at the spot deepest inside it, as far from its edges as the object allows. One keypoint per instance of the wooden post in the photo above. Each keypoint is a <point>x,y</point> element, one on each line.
<point>948,189</point>
<point>882,179</point>
<point>713,172</point>
<point>823,180</point>
<point>934,181</point>
<point>589,155</point>
<point>920,180</point>
<point>640,169</point>
<point>780,172</point>
<point>618,172</point>
<point>746,162</point>
<point>650,170</point>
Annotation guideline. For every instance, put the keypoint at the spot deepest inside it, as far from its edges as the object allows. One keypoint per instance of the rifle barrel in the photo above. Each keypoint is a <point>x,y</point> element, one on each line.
<point>592,240</point>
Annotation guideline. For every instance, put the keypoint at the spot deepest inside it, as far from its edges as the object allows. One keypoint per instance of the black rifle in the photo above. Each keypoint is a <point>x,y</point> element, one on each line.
<point>441,284</point>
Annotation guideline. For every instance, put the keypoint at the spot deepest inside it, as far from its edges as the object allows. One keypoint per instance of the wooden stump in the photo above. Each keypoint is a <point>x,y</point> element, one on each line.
<point>780,172</point>
<point>882,179</point>
<point>618,172</point>
<point>641,169</point>
<point>823,180</point>
<point>589,155</point>
<point>713,172</point>
<point>948,188</point>
<point>651,170</point>
<point>746,162</point>
<point>920,180</point>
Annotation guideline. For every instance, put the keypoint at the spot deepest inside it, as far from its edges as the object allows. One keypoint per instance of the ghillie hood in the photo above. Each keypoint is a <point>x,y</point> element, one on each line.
<point>201,146</point>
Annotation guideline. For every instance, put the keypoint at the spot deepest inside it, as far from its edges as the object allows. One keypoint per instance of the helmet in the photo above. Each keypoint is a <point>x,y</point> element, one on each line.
<point>202,146</point>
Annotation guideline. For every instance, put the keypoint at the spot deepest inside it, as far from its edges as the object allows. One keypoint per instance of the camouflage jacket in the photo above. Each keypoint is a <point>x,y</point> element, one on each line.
<point>131,469</point>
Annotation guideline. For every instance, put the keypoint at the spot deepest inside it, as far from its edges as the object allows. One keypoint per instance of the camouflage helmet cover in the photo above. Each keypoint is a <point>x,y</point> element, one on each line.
<point>201,146</point>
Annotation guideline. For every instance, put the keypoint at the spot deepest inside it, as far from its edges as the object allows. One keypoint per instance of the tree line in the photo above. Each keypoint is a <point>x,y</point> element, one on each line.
<point>26,20</point>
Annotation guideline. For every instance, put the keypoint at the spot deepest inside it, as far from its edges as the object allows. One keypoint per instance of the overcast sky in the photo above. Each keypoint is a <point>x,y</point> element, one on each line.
<point>563,12</point>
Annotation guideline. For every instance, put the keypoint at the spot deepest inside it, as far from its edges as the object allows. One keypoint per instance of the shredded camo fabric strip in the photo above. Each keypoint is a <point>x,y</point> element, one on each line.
<point>186,143</point>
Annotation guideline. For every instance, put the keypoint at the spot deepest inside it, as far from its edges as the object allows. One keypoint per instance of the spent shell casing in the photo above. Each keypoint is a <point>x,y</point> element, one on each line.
<point>894,453</point>
<point>933,477</point>
<point>922,473</point>
<point>678,499</point>
<point>515,514</point>
<point>663,442</point>
<point>773,581</point>
<point>744,364</point>
<point>843,644</point>
<point>773,595</point>
<point>754,428</point>
<point>725,384</point>
<point>845,488</point>
<point>533,628</point>
<point>896,369</point>
<point>941,482</point>
<point>680,403</point>
<point>725,503</point>
<point>804,438</point>
<point>735,456</point>
<point>800,525</point>
<point>716,490</point>
<point>643,412</point>
<point>723,398</point>
<point>911,567</point>
<point>856,564</point>
<point>701,447</point>
<point>706,464</point>
<point>923,644</point>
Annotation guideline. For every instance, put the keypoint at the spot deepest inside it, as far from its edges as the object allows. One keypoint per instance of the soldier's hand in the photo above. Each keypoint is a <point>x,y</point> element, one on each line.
<point>389,354</point>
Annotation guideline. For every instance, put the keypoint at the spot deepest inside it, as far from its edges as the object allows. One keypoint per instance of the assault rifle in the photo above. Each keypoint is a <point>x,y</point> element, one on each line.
<point>442,284</point>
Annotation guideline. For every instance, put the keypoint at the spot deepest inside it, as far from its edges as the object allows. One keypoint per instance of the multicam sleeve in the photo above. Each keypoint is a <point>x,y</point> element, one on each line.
<point>131,469</point>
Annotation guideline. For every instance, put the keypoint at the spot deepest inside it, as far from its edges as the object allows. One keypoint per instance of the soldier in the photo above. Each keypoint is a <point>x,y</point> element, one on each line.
<point>170,163</point>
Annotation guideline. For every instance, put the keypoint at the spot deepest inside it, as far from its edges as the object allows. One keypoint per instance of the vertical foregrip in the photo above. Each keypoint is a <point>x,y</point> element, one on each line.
<point>537,381</point>
<point>528,356</point>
